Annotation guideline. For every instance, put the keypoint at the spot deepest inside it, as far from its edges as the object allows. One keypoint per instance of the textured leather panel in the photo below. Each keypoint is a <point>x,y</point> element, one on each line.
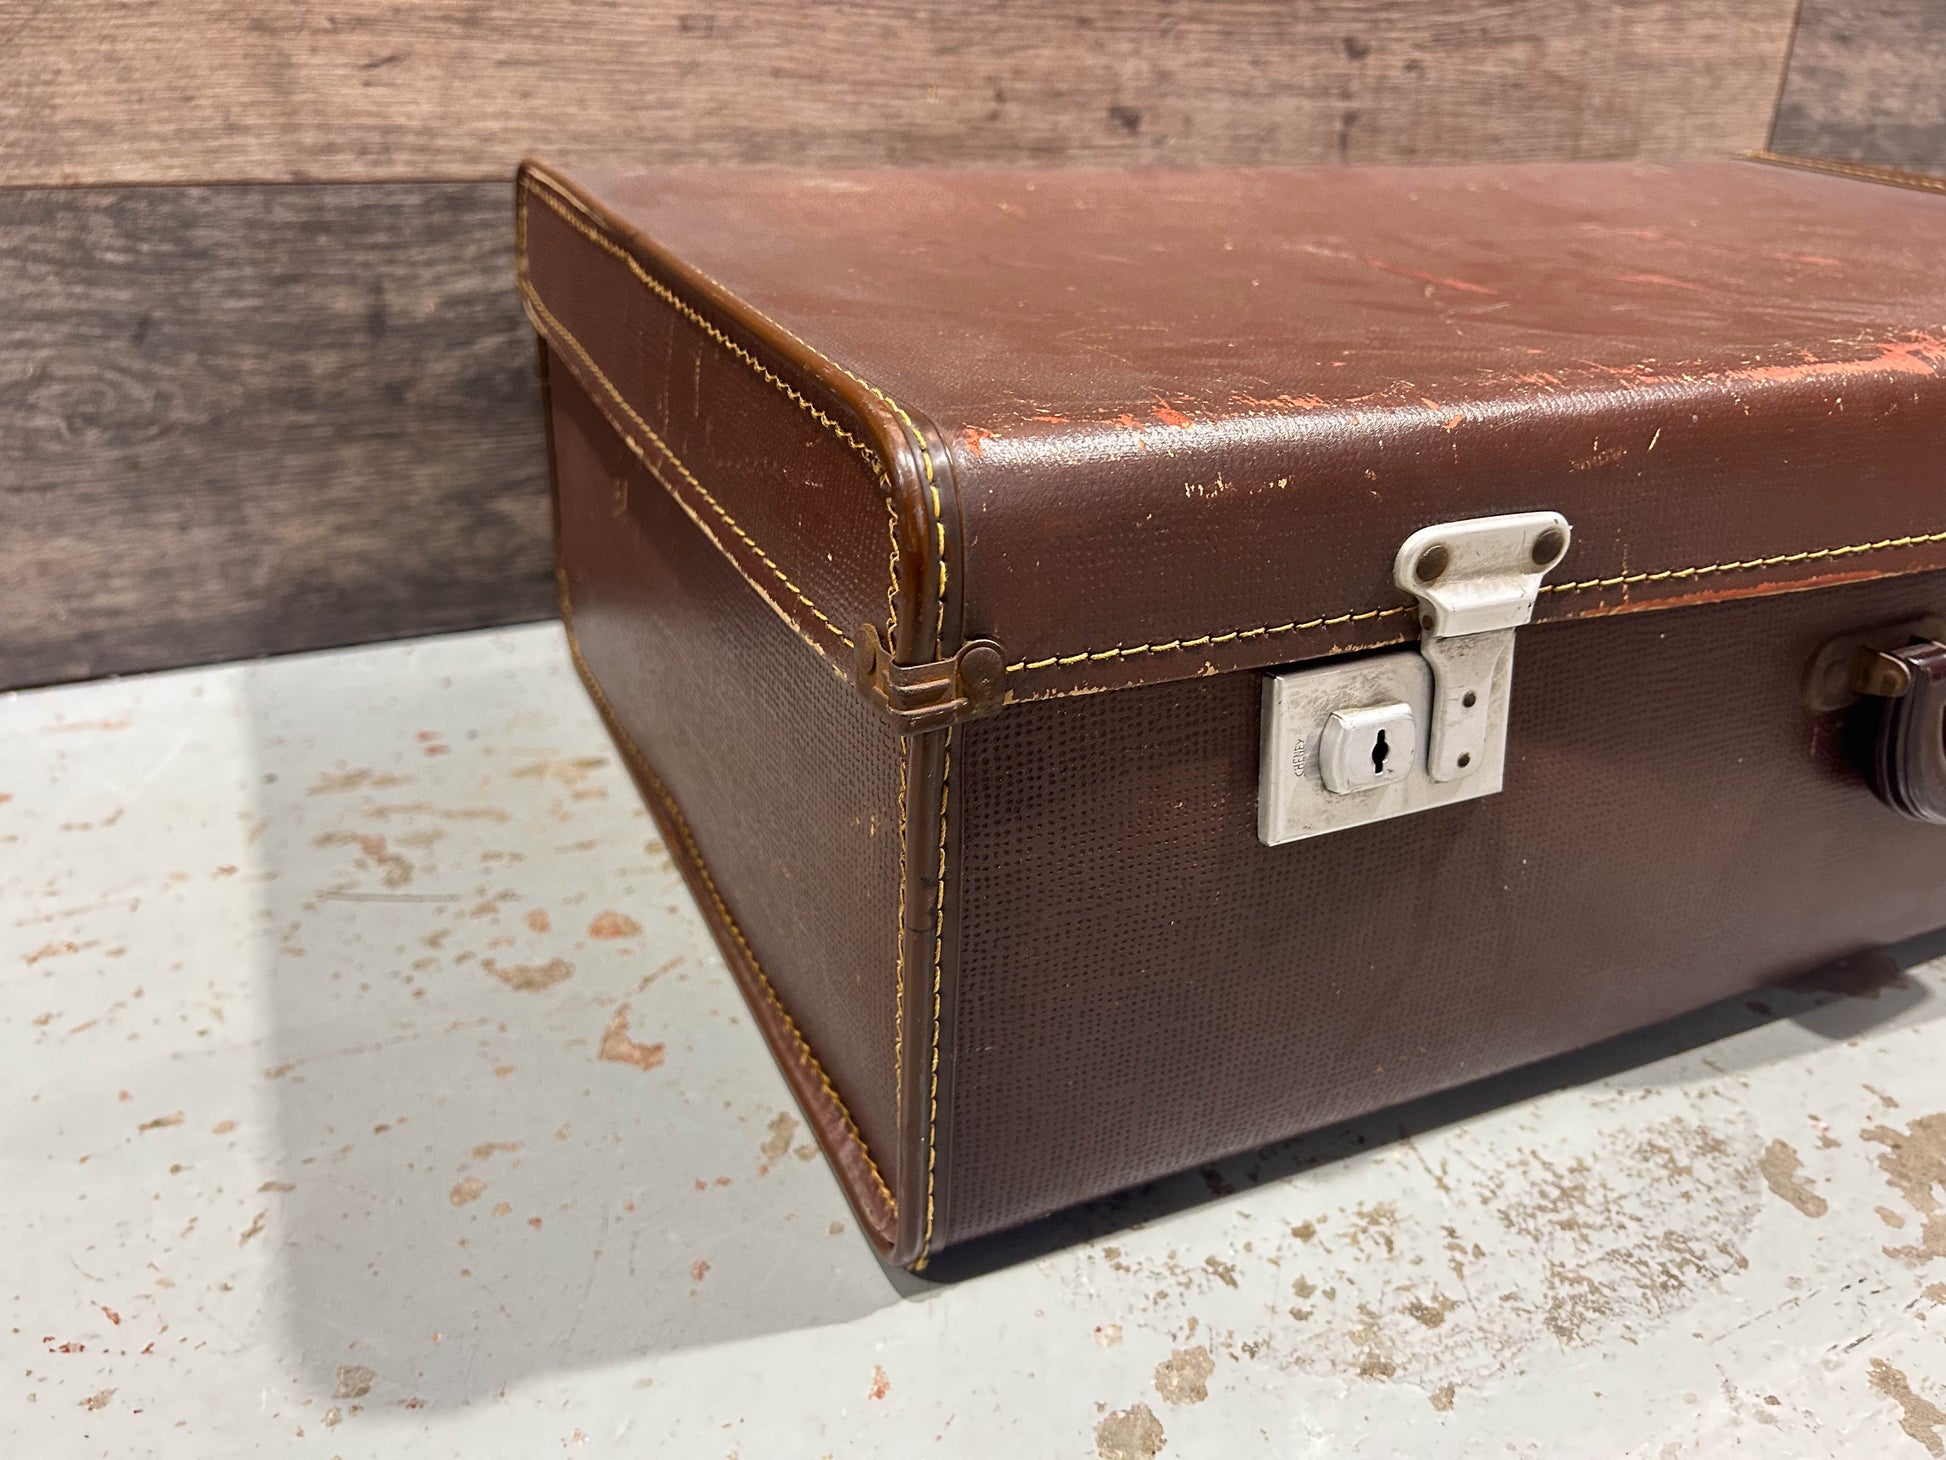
<point>778,770</point>
<point>1191,413</point>
<point>787,487</point>
<point>1143,986</point>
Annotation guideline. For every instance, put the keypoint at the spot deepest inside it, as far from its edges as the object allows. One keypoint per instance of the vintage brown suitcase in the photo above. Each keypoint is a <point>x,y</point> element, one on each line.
<point>1064,623</point>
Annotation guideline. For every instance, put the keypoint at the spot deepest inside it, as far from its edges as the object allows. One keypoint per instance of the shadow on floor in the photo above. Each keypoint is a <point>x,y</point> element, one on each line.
<point>526,1124</point>
<point>491,1178</point>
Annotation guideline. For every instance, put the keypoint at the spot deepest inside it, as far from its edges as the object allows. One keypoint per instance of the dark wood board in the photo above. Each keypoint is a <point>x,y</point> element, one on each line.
<point>248,420</point>
<point>394,89</point>
<point>1867,83</point>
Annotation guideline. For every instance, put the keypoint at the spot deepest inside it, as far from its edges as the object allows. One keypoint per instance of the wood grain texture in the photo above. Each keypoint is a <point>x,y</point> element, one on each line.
<point>244,420</point>
<point>387,89</point>
<point>1867,83</point>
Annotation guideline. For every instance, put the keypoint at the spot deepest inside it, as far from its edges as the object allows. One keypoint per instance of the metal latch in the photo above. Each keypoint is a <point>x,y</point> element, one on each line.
<point>930,696</point>
<point>1383,735</point>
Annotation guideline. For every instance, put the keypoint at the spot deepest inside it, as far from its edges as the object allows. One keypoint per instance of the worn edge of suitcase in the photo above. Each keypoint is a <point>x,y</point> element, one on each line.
<point>910,468</point>
<point>845,1146</point>
<point>924,760</point>
<point>910,687</point>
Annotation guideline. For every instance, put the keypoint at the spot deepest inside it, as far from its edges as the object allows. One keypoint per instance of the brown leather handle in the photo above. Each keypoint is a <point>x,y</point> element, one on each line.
<point>1909,761</point>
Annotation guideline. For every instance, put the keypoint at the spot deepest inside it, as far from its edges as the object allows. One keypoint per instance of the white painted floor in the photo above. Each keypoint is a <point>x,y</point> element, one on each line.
<point>371,1088</point>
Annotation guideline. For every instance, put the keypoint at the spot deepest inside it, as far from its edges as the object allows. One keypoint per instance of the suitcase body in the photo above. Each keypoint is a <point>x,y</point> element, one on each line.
<point>998,583</point>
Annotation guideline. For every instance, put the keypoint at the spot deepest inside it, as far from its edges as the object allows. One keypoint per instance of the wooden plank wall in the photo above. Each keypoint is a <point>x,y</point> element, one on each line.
<point>242,420</point>
<point>1867,83</point>
<point>263,383</point>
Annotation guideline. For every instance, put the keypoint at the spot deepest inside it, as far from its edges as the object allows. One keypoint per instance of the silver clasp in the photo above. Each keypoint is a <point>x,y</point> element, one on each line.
<point>1476,583</point>
<point>1360,739</point>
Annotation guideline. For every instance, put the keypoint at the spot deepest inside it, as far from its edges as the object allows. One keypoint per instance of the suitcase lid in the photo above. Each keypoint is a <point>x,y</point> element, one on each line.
<point>1144,425</point>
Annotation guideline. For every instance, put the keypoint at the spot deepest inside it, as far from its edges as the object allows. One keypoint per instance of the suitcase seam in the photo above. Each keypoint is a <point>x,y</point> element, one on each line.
<point>640,762</point>
<point>538,182</point>
<point>1809,555</point>
<point>938,958</point>
<point>531,296</point>
<point>543,187</point>
<point>561,331</point>
<point>1620,580</point>
<point>538,186</point>
<point>1894,177</point>
<point>898,968</point>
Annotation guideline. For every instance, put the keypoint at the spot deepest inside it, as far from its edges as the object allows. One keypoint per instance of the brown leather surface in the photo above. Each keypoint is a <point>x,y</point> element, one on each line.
<point>808,482</point>
<point>776,787</point>
<point>1144,986</point>
<point>1244,370</point>
<point>1041,955</point>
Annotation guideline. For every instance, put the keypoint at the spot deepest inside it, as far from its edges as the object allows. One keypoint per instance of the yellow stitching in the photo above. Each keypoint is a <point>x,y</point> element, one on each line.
<point>556,327</point>
<point>662,291</point>
<point>892,593</point>
<point>938,957</point>
<point>898,970</point>
<point>553,198</point>
<point>1209,640</point>
<point>1891,176</point>
<point>635,756</point>
<point>1206,640</point>
<point>1749,563</point>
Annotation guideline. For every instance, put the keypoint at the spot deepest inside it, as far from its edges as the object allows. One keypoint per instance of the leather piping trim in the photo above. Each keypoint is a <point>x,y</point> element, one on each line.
<point>900,456</point>
<point>1896,177</point>
<point>938,997</point>
<point>552,329</point>
<point>923,524</point>
<point>723,916</point>
<point>549,327</point>
<point>898,969</point>
<point>1203,641</point>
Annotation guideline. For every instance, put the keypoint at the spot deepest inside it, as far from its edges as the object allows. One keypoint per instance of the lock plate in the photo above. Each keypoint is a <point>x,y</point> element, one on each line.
<point>1293,800</point>
<point>1441,708</point>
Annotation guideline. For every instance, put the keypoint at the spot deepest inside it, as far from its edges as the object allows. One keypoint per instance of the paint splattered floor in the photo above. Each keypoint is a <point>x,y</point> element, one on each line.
<point>372,1088</point>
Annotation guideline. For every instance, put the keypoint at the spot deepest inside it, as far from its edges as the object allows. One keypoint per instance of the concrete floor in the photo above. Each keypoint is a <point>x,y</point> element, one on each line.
<point>372,1089</point>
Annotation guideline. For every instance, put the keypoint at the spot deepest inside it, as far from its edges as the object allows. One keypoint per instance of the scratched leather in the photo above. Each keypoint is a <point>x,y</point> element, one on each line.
<point>1182,404</point>
<point>796,509</point>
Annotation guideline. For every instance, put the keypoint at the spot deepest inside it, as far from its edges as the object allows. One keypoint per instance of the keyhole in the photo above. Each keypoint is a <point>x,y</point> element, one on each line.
<point>1379,751</point>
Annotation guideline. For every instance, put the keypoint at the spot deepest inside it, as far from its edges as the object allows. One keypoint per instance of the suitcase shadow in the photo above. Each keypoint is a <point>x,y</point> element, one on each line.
<point>1831,1004</point>
<point>522,1122</point>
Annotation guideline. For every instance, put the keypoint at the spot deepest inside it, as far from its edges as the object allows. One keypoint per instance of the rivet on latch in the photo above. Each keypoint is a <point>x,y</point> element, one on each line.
<point>982,674</point>
<point>1432,563</point>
